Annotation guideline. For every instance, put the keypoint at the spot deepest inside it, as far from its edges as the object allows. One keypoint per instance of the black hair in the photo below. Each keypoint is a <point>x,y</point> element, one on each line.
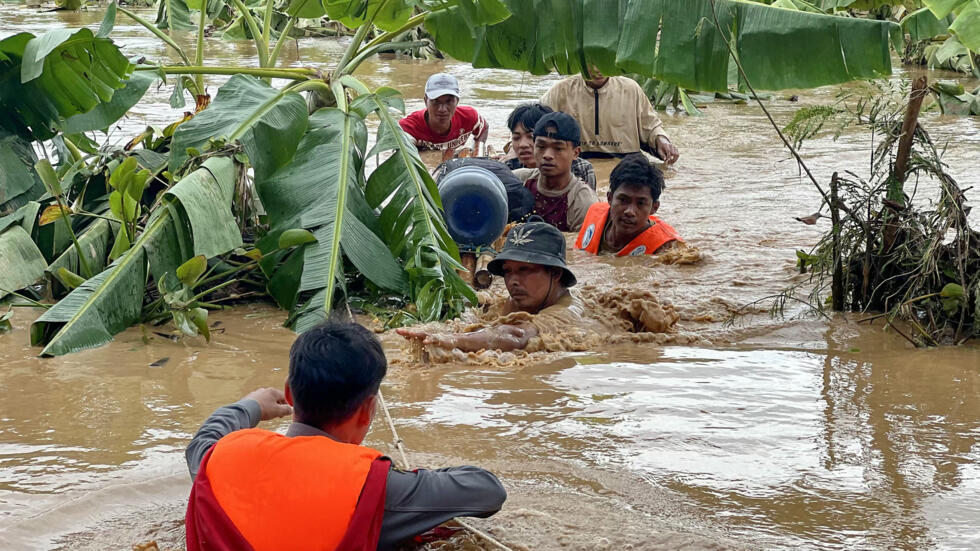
<point>527,114</point>
<point>636,170</point>
<point>333,368</point>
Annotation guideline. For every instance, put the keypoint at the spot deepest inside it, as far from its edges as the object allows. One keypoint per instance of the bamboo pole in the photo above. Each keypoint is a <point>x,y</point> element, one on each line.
<point>469,262</point>
<point>482,278</point>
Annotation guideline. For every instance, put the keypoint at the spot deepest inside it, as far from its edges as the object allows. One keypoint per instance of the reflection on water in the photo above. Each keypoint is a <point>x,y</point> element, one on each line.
<point>788,447</point>
<point>816,435</point>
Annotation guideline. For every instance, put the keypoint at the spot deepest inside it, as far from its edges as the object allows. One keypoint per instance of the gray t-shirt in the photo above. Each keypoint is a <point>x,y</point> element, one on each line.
<point>415,501</point>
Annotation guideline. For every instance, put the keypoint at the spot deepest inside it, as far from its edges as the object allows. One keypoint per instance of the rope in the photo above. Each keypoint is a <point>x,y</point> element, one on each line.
<point>399,444</point>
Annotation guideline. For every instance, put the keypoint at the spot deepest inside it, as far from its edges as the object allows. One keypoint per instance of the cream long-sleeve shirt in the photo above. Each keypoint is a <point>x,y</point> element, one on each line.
<point>616,119</point>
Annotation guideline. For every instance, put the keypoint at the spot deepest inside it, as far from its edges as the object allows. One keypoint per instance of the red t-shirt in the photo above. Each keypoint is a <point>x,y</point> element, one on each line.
<point>466,123</point>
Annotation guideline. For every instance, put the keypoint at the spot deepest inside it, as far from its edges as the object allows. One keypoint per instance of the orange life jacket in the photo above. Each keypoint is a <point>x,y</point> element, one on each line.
<point>296,493</point>
<point>590,236</point>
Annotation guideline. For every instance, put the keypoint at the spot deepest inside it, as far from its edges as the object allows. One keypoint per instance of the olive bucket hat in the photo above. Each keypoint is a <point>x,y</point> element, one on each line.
<point>534,242</point>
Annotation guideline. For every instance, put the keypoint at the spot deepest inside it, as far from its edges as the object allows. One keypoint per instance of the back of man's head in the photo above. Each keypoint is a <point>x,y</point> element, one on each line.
<point>528,115</point>
<point>636,170</point>
<point>333,368</point>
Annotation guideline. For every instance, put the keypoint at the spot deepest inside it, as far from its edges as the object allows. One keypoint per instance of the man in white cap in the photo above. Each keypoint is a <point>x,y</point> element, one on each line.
<point>444,124</point>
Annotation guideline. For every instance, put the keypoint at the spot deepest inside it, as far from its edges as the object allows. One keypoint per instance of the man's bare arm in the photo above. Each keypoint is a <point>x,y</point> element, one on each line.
<point>502,337</point>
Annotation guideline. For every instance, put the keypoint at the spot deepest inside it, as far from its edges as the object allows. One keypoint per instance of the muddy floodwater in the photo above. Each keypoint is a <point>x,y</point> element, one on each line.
<point>772,433</point>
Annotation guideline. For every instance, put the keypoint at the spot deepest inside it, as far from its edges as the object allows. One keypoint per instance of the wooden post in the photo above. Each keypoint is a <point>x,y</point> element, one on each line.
<point>895,192</point>
<point>919,90</point>
<point>837,284</point>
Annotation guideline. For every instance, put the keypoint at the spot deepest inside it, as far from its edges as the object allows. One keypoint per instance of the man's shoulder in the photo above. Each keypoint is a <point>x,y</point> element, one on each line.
<point>566,85</point>
<point>413,120</point>
<point>598,208</point>
<point>467,116</point>
<point>625,86</point>
<point>578,185</point>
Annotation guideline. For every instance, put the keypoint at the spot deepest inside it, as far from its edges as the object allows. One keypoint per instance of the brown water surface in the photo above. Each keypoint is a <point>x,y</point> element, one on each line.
<point>773,433</point>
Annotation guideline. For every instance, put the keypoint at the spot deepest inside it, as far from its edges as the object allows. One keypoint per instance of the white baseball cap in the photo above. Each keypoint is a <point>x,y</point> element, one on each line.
<point>441,84</point>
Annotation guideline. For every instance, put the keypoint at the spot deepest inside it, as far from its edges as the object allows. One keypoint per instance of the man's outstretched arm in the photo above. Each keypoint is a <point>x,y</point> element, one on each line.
<point>418,501</point>
<point>261,405</point>
<point>500,337</point>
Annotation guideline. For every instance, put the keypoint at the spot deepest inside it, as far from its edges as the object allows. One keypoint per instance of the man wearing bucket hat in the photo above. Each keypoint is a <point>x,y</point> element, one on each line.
<point>444,124</point>
<point>532,264</point>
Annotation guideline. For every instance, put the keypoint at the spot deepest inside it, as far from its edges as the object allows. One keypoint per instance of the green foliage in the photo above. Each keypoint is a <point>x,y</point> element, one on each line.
<point>388,15</point>
<point>954,100</point>
<point>94,241</point>
<point>914,260</point>
<point>923,24</point>
<point>182,304</point>
<point>808,121</point>
<point>124,202</point>
<point>268,122</point>
<point>411,216</point>
<point>112,300</point>
<point>49,78</point>
<point>675,41</point>
<point>19,184</point>
<point>21,263</point>
<point>174,15</point>
<point>104,114</point>
<point>5,325</point>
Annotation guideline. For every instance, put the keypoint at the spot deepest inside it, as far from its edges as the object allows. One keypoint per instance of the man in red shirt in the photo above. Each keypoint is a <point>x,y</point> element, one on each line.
<point>444,124</point>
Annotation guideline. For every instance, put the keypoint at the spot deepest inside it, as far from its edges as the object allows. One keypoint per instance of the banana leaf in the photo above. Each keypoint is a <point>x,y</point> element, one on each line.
<point>388,15</point>
<point>942,8</point>
<point>966,26</point>
<point>21,263</point>
<point>174,15</point>
<point>25,216</point>
<point>923,25</point>
<point>205,198</point>
<point>19,184</point>
<point>95,242</point>
<point>674,41</point>
<point>305,9</point>
<point>51,77</point>
<point>412,216</point>
<point>111,301</point>
<point>318,191</point>
<point>103,115</point>
<point>269,123</point>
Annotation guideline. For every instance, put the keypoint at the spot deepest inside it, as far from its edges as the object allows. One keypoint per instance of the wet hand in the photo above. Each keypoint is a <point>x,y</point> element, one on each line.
<point>272,401</point>
<point>667,151</point>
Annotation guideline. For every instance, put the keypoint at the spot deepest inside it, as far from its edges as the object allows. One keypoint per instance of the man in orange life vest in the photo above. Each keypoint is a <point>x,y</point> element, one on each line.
<point>627,224</point>
<point>316,487</point>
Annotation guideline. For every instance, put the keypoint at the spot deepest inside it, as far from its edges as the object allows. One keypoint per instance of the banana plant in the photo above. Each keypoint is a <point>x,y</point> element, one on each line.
<point>675,41</point>
<point>329,221</point>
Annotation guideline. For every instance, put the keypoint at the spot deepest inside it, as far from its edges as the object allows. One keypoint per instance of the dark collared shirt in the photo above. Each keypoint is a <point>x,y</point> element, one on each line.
<point>415,501</point>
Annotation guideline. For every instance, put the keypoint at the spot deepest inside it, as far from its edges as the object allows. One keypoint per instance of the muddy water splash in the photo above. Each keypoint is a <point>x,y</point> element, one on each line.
<point>771,434</point>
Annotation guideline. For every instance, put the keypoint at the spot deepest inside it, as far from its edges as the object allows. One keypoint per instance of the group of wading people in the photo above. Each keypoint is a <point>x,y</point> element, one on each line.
<point>316,486</point>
